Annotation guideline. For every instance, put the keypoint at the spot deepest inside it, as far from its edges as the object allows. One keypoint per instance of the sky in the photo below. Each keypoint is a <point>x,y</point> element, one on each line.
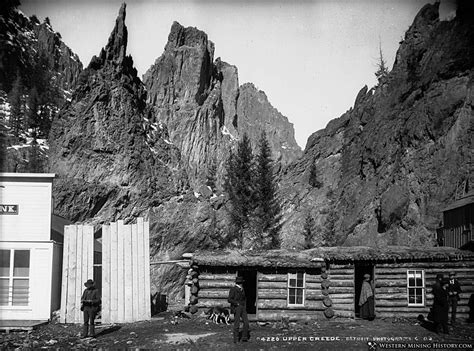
<point>310,57</point>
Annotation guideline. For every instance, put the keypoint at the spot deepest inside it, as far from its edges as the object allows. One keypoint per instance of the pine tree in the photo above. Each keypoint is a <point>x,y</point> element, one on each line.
<point>238,185</point>
<point>382,69</point>
<point>34,163</point>
<point>211,175</point>
<point>16,107</point>
<point>313,176</point>
<point>267,211</point>
<point>33,105</point>
<point>309,231</point>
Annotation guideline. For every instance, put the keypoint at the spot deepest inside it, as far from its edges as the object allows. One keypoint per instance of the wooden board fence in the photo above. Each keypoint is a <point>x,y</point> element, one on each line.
<point>125,272</point>
<point>78,254</point>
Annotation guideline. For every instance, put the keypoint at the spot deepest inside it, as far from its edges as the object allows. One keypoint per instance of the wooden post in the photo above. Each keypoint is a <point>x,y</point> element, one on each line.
<point>135,289</point>
<point>141,271</point>
<point>71,282</point>
<point>146,242</point>
<point>79,278</point>
<point>65,276</point>
<point>113,272</point>
<point>120,270</point>
<point>127,281</point>
<point>106,274</point>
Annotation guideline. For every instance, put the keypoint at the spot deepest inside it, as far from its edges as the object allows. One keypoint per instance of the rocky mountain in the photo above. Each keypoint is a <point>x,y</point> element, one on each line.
<point>205,110</point>
<point>393,161</point>
<point>33,60</point>
<point>123,149</point>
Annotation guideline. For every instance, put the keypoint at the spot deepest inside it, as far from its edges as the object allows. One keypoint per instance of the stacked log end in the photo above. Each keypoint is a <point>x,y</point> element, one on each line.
<point>327,302</point>
<point>192,280</point>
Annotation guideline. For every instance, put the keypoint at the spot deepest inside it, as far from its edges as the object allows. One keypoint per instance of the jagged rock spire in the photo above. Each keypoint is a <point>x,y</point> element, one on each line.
<point>117,46</point>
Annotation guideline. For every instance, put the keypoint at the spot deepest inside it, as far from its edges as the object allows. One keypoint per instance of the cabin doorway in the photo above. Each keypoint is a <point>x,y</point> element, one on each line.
<point>359,272</point>
<point>250,288</point>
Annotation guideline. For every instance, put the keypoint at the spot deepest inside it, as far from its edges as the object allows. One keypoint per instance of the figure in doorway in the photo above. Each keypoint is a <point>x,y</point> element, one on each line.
<point>454,289</point>
<point>366,300</point>
<point>238,306</point>
<point>90,302</point>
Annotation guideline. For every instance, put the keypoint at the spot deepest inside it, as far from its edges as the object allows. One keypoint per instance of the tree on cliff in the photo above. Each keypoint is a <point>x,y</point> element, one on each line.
<point>313,176</point>
<point>17,107</point>
<point>239,186</point>
<point>267,208</point>
<point>309,231</point>
<point>211,174</point>
<point>382,68</point>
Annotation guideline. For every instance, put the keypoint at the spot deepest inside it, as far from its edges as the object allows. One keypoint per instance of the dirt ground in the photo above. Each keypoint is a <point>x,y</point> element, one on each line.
<point>167,332</point>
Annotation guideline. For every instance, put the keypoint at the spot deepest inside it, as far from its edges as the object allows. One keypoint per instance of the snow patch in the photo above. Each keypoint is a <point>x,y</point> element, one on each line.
<point>225,131</point>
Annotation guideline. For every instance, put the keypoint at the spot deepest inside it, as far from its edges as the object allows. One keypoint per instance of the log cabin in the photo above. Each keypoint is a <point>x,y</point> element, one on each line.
<point>325,282</point>
<point>458,223</point>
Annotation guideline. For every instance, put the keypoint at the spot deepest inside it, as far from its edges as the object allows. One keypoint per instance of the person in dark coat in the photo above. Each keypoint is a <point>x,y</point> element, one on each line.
<point>440,304</point>
<point>454,289</point>
<point>366,300</point>
<point>470,304</point>
<point>238,306</point>
<point>90,302</point>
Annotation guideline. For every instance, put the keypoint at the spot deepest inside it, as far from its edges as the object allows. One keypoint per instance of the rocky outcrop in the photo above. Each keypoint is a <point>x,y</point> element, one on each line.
<point>112,162</point>
<point>390,163</point>
<point>204,109</point>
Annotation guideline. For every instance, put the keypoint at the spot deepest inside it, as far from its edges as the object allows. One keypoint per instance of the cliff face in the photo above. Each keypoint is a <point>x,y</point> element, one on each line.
<point>112,161</point>
<point>206,112</point>
<point>389,164</point>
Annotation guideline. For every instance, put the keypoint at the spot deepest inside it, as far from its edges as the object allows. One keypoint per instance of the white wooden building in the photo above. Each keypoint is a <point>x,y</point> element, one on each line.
<point>30,261</point>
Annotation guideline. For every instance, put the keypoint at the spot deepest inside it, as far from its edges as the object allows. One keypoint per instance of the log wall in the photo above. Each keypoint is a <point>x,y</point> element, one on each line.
<point>391,287</point>
<point>272,294</point>
<point>341,289</point>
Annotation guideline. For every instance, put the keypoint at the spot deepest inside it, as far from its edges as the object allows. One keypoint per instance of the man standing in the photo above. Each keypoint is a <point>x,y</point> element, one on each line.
<point>90,302</point>
<point>238,306</point>
<point>454,289</point>
<point>440,305</point>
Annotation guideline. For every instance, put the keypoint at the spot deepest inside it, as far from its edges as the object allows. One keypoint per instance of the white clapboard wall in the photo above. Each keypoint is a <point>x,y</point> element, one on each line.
<point>78,266</point>
<point>125,271</point>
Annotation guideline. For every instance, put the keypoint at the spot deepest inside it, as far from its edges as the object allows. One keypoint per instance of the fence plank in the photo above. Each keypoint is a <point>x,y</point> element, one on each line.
<point>71,294</point>
<point>141,270</point>
<point>79,270</point>
<point>146,242</point>
<point>127,279</point>
<point>120,277</point>
<point>62,318</point>
<point>113,272</point>
<point>89,240</point>
<point>106,274</point>
<point>135,290</point>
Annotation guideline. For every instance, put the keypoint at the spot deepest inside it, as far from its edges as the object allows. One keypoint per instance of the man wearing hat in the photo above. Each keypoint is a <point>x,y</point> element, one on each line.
<point>440,307</point>
<point>90,302</point>
<point>238,306</point>
<point>454,289</point>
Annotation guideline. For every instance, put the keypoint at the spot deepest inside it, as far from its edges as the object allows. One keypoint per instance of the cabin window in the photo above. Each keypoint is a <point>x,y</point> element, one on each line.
<point>296,287</point>
<point>14,277</point>
<point>416,287</point>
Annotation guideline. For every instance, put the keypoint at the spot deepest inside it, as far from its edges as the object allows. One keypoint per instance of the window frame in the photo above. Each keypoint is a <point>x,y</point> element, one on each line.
<point>423,287</point>
<point>288,287</point>
<point>11,277</point>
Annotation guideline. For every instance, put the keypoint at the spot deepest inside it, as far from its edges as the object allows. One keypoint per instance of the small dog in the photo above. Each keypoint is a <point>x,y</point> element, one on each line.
<point>218,315</point>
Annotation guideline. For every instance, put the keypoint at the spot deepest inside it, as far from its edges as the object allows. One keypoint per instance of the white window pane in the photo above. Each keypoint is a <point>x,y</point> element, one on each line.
<point>4,291</point>
<point>20,292</point>
<point>21,266</point>
<point>4,263</point>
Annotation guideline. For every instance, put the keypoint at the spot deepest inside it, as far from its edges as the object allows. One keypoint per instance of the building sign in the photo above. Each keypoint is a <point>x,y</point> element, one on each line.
<point>8,209</point>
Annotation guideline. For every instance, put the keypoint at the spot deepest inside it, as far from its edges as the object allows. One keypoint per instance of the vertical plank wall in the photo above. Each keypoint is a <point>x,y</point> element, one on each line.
<point>78,266</point>
<point>125,272</point>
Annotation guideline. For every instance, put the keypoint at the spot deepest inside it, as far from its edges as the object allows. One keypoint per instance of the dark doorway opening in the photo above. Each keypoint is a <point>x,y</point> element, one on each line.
<point>359,271</point>
<point>250,288</point>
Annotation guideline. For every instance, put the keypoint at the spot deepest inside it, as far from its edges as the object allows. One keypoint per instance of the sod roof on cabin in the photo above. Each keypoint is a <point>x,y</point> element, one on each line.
<point>316,257</point>
<point>250,258</point>
<point>391,253</point>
